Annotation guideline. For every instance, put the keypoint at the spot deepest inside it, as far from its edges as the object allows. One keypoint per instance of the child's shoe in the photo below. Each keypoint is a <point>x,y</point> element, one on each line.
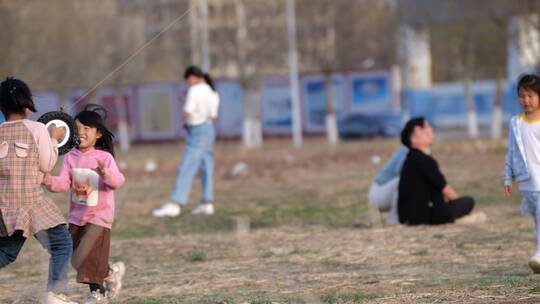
<point>206,208</point>
<point>95,297</point>
<point>113,282</point>
<point>534,263</point>
<point>57,298</point>
<point>169,209</point>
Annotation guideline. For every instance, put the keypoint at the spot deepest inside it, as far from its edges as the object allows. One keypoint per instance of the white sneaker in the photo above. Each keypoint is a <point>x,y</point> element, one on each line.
<point>534,263</point>
<point>95,297</point>
<point>113,282</point>
<point>206,208</point>
<point>478,217</point>
<point>391,220</point>
<point>57,298</point>
<point>168,209</point>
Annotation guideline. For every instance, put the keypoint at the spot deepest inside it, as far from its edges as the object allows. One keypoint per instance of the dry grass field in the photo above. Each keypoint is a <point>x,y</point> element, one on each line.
<point>296,228</point>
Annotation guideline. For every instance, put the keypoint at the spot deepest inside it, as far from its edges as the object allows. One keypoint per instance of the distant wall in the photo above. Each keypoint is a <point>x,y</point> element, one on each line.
<point>154,110</point>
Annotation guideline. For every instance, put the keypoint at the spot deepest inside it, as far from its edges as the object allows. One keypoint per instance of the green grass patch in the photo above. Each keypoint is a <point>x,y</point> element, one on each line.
<point>266,207</point>
<point>181,299</point>
<point>153,300</point>
<point>303,209</point>
<point>346,298</point>
<point>135,232</point>
<point>535,289</point>
<point>267,254</point>
<point>287,207</point>
<point>292,300</point>
<point>301,251</point>
<point>422,252</point>
<point>514,281</point>
<point>203,224</point>
<point>197,256</point>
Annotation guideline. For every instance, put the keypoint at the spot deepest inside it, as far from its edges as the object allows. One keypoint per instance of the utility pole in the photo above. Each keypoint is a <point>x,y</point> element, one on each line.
<point>293,75</point>
<point>203,11</point>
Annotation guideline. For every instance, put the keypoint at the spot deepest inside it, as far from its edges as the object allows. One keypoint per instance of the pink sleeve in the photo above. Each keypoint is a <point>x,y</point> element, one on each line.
<point>47,147</point>
<point>62,182</point>
<point>112,177</point>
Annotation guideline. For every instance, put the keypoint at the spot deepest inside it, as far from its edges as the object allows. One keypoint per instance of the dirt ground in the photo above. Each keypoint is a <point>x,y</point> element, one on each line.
<point>295,227</point>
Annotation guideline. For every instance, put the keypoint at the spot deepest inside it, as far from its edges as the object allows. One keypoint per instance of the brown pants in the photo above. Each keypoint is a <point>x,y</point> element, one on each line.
<point>91,245</point>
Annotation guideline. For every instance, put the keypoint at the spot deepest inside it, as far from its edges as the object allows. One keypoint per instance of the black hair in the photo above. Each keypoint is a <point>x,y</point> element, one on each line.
<point>198,72</point>
<point>408,129</point>
<point>529,82</point>
<point>15,97</point>
<point>209,81</point>
<point>193,71</point>
<point>94,116</point>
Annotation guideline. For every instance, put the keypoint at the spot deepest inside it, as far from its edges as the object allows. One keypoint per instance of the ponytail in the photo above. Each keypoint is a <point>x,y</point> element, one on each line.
<point>209,81</point>
<point>198,72</point>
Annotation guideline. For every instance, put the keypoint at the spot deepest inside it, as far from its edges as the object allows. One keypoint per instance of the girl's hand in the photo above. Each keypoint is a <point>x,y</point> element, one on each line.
<point>100,168</point>
<point>58,133</point>
<point>45,176</point>
<point>508,190</point>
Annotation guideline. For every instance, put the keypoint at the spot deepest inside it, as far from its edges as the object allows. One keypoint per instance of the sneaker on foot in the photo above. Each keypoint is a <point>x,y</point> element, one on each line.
<point>113,282</point>
<point>207,208</point>
<point>57,298</point>
<point>95,297</point>
<point>473,218</point>
<point>168,209</point>
<point>534,263</point>
<point>391,220</point>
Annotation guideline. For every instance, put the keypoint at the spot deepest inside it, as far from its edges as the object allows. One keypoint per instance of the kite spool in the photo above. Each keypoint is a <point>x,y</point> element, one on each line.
<point>60,119</point>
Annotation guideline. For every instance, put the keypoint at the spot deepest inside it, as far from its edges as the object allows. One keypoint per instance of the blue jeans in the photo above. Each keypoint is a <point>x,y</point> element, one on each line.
<point>58,243</point>
<point>198,156</point>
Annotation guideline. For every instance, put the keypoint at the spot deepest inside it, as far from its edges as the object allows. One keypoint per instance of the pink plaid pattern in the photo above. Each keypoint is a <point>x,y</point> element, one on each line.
<point>22,203</point>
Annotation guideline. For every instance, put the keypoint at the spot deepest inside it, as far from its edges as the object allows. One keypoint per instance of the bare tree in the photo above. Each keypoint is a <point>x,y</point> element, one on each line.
<point>318,37</point>
<point>251,129</point>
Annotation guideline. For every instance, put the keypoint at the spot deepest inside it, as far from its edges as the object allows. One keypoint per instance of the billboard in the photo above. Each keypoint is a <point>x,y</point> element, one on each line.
<point>314,99</point>
<point>370,92</point>
<point>276,106</point>
<point>158,112</point>
<point>231,108</point>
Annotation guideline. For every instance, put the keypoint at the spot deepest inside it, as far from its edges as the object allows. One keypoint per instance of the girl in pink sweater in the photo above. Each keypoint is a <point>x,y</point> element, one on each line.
<point>91,175</point>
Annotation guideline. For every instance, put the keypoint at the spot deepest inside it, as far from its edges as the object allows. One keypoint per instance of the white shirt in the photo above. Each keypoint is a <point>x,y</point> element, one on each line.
<point>202,104</point>
<point>530,134</point>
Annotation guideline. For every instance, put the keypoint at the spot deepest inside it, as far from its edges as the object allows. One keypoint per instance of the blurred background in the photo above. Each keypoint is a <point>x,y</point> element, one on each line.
<point>344,68</point>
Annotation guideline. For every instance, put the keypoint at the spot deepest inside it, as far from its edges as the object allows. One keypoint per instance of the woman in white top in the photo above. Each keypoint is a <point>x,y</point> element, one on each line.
<point>200,110</point>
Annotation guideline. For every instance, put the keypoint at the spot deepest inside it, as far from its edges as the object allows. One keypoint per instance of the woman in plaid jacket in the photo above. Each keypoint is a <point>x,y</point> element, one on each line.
<point>27,151</point>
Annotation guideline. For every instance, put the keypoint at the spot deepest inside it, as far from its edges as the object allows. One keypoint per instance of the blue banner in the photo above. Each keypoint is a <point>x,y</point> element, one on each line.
<point>370,92</point>
<point>231,108</point>
<point>314,100</point>
<point>276,106</point>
